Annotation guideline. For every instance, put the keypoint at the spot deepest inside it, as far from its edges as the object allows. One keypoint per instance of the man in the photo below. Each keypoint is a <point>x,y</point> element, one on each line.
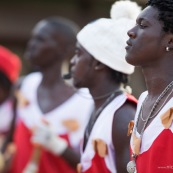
<point>99,64</point>
<point>150,46</point>
<point>46,99</point>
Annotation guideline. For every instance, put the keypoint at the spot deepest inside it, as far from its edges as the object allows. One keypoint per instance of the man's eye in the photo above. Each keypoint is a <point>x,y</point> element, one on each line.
<point>142,25</point>
<point>76,51</point>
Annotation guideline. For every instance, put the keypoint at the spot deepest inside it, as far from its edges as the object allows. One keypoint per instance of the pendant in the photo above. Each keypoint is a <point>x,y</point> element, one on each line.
<point>131,167</point>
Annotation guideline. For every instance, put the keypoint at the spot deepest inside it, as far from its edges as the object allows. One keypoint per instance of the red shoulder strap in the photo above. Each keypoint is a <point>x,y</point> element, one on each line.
<point>132,98</point>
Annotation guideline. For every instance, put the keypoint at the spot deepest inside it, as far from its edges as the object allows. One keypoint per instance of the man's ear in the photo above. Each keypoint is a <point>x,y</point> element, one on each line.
<point>169,42</point>
<point>98,65</point>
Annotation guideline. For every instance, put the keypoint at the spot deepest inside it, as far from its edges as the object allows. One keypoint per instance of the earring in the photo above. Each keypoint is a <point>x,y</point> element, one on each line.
<point>96,67</point>
<point>167,49</point>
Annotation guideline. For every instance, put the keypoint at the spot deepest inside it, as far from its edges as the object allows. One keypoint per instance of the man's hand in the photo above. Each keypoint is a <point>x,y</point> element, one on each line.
<point>45,136</point>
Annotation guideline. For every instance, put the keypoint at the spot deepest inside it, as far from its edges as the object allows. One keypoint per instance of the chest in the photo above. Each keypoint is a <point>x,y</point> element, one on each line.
<point>49,99</point>
<point>148,112</point>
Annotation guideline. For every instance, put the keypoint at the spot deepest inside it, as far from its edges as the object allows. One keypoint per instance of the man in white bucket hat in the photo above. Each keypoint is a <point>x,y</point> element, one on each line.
<point>99,65</point>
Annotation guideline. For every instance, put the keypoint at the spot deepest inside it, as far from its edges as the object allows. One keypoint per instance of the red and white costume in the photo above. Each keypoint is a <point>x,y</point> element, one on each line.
<point>157,143</point>
<point>76,108</point>
<point>91,160</point>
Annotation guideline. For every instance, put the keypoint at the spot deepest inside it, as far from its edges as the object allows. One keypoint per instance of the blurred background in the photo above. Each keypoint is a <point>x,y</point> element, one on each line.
<point>18,17</point>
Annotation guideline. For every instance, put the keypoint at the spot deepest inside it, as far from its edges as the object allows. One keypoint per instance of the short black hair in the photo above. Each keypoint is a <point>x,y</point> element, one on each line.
<point>165,9</point>
<point>119,77</point>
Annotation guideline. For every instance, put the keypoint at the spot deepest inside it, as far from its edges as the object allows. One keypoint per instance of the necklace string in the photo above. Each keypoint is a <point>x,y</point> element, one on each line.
<point>87,96</point>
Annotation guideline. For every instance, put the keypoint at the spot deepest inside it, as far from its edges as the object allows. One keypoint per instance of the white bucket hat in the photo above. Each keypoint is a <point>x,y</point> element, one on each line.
<point>105,39</point>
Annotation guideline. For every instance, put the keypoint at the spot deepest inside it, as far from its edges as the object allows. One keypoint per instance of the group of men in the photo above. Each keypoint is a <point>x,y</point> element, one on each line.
<point>51,126</point>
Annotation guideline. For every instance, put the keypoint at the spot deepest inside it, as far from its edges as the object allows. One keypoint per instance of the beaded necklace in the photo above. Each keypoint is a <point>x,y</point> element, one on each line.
<point>84,95</point>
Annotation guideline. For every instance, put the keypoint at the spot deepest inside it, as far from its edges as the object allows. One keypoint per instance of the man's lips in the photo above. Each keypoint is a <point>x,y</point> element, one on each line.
<point>129,44</point>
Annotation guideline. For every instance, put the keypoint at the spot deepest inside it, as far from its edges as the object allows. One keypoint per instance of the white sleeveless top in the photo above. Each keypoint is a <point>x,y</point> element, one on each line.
<point>154,128</point>
<point>102,129</point>
<point>77,108</point>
